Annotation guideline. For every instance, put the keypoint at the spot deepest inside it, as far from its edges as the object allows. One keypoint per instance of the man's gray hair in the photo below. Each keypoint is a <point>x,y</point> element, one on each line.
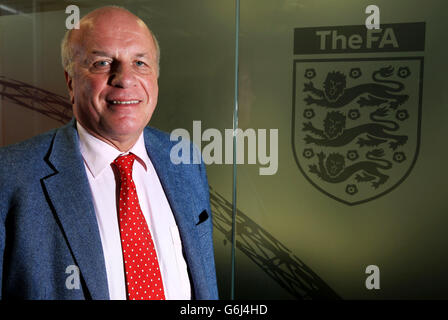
<point>68,52</point>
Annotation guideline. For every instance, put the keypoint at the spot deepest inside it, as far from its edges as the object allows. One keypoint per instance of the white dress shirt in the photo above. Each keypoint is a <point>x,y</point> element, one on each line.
<point>98,157</point>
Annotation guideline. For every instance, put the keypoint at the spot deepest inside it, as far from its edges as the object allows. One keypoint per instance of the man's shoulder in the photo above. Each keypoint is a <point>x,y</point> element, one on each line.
<point>165,143</point>
<point>21,162</point>
<point>157,136</point>
<point>162,139</point>
<point>25,157</point>
<point>28,147</point>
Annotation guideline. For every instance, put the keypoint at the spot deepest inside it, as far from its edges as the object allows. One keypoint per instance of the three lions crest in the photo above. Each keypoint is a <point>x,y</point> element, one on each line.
<point>356,124</point>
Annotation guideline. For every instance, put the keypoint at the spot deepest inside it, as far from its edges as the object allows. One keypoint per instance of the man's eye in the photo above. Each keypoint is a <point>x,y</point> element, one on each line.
<point>139,63</point>
<point>101,64</point>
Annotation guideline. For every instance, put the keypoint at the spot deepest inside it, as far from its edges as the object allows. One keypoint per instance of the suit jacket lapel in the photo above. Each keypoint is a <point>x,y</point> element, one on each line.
<point>182,208</point>
<point>69,193</point>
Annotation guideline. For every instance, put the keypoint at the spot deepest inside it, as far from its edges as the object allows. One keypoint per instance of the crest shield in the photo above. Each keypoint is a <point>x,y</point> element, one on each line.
<point>356,124</point>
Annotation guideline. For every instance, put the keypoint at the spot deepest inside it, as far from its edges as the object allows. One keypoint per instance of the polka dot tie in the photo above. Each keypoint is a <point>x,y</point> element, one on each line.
<point>143,277</point>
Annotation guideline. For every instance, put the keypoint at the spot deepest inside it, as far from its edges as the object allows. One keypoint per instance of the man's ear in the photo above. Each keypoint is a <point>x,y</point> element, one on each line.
<point>69,82</point>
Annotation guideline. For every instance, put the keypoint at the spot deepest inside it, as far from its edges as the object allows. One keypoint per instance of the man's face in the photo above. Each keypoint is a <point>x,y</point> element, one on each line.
<point>114,85</point>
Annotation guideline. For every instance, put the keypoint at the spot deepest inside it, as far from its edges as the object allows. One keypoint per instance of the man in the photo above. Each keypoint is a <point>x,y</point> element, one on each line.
<point>96,209</point>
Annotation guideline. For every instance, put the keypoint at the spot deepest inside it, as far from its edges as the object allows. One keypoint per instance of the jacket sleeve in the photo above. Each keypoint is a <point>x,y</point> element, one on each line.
<point>211,256</point>
<point>6,191</point>
<point>2,248</point>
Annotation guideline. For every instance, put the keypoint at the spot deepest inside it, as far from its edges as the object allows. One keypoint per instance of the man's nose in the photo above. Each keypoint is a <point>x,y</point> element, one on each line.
<point>123,76</point>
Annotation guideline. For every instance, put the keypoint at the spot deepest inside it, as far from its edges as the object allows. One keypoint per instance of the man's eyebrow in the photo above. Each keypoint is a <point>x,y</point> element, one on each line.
<point>105,54</point>
<point>99,53</point>
<point>141,55</point>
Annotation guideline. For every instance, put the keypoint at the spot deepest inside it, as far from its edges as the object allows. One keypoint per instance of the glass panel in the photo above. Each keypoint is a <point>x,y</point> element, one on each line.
<point>361,174</point>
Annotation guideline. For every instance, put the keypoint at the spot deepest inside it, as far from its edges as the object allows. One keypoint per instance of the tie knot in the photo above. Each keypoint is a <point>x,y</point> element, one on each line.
<point>124,165</point>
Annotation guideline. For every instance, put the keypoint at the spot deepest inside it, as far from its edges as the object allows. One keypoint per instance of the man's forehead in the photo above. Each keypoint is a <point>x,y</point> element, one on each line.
<point>112,16</point>
<point>110,22</point>
<point>117,51</point>
<point>104,29</point>
<point>100,52</point>
<point>95,40</point>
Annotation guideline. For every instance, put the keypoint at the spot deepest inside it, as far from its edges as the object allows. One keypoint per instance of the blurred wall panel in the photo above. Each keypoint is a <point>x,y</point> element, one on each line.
<point>398,225</point>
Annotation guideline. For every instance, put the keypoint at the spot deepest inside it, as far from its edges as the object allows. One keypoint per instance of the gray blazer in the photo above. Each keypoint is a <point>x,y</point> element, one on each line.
<point>47,218</point>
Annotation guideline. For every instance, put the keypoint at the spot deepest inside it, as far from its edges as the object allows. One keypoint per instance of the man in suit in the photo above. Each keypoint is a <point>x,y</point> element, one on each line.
<point>70,198</point>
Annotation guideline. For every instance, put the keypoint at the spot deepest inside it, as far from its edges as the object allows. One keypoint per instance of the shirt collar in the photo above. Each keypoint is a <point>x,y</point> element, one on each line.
<point>98,154</point>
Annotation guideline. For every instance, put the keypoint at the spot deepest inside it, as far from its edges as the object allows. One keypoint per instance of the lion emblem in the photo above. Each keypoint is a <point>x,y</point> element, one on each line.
<point>335,133</point>
<point>333,169</point>
<point>335,93</point>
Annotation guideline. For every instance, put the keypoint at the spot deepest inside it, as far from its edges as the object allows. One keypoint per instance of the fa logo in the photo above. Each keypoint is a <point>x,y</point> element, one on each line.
<point>356,124</point>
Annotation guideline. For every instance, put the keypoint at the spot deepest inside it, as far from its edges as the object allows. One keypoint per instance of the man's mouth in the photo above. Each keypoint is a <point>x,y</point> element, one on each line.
<point>118,102</point>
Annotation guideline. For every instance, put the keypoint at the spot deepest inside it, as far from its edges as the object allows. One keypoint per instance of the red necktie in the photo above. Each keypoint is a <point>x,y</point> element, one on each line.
<point>143,277</point>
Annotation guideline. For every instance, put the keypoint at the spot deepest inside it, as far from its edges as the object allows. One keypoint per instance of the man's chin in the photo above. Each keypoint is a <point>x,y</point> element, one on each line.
<point>124,132</point>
